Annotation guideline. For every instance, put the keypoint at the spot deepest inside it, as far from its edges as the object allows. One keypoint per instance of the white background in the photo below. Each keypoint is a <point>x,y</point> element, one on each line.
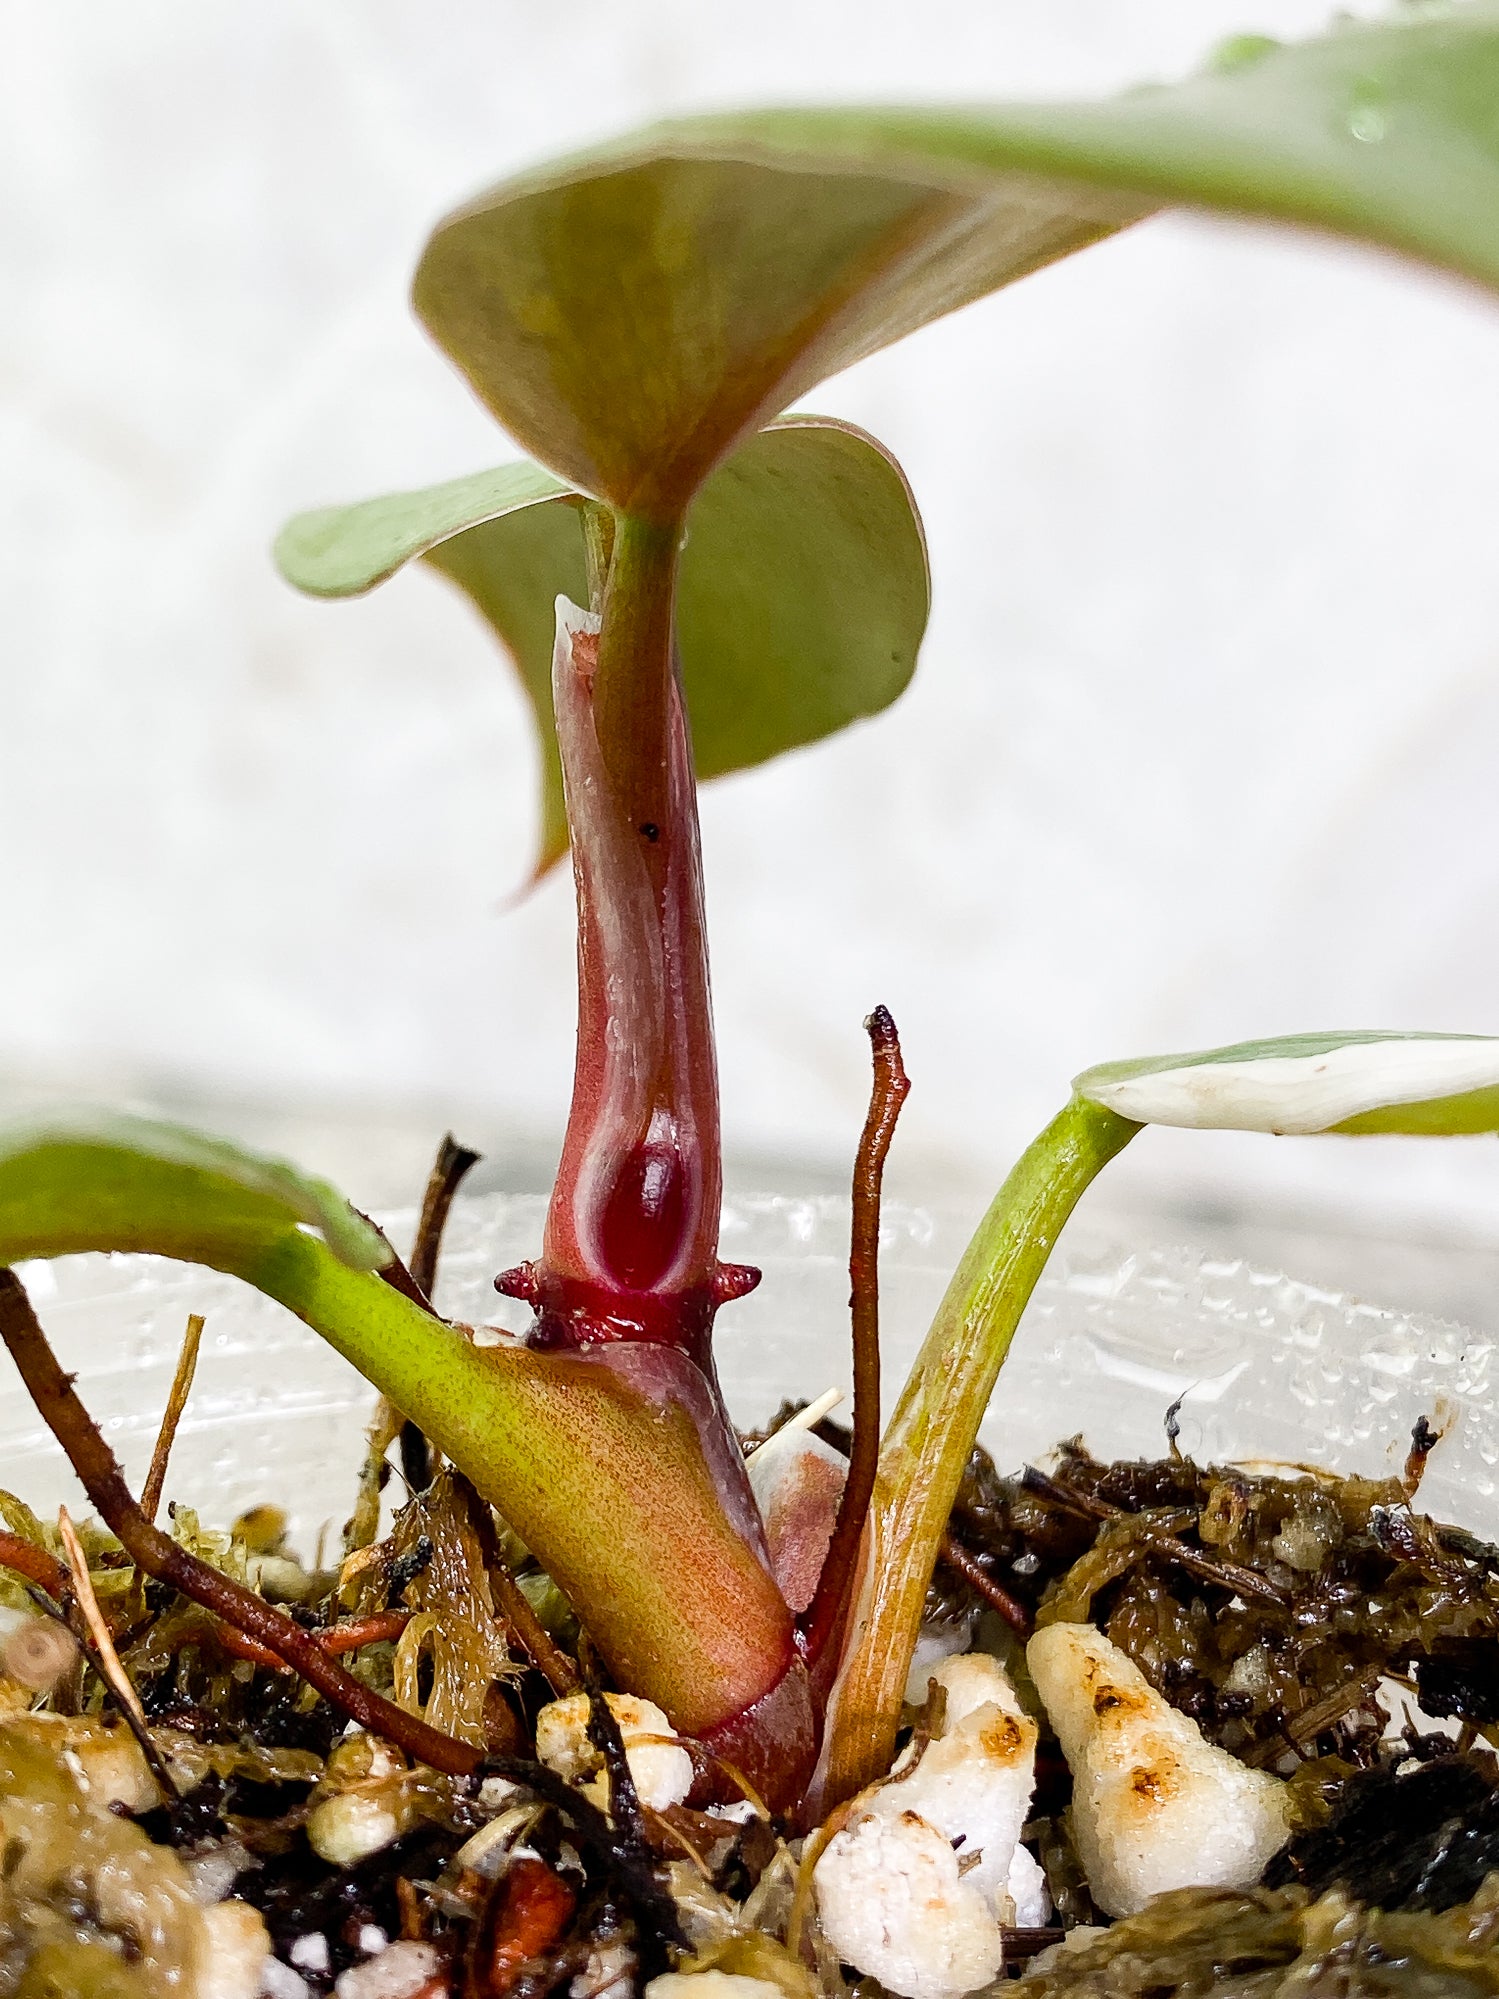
<point>1202,743</point>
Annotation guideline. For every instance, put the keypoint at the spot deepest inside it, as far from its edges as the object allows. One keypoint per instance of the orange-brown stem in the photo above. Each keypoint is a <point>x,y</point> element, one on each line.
<point>824,1616</point>
<point>28,1560</point>
<point>350,1634</point>
<point>966,1564</point>
<point>559,1671</point>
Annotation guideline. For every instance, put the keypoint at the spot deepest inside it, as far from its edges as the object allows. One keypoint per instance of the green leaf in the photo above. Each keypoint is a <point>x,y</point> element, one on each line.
<point>1436,1085</point>
<point>802,597</point>
<point>163,1189</point>
<point>631,312</point>
<point>344,551</point>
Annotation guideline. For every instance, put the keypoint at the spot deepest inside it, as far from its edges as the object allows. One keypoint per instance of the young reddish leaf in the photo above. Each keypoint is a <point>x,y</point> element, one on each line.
<point>630,313</point>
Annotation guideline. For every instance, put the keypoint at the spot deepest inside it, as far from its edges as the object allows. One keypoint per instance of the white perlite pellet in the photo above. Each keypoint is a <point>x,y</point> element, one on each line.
<point>399,1972</point>
<point>1154,1804</point>
<point>279,1981</point>
<point>711,1985</point>
<point>662,1771</point>
<point>236,1950</point>
<point>934,1643</point>
<point>608,1974</point>
<point>310,1953</point>
<point>348,1827</point>
<point>1027,1891</point>
<point>912,1890</point>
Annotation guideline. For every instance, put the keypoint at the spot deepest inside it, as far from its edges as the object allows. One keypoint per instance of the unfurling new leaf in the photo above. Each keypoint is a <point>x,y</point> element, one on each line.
<point>1434,1085</point>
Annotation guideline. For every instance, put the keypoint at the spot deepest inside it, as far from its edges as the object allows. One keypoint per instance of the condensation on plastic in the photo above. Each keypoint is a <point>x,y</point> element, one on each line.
<point>1269,1368</point>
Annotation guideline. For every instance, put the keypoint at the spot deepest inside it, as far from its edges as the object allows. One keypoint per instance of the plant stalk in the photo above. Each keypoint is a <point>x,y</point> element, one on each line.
<point>637,670</point>
<point>631,1244</point>
<point>935,1426</point>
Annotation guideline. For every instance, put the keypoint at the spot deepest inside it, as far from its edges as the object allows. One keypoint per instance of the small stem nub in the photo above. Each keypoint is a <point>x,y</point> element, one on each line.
<point>182,1385</point>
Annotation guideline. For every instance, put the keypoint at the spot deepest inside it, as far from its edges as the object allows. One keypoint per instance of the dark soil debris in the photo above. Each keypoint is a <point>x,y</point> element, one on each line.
<point>1266,1606</point>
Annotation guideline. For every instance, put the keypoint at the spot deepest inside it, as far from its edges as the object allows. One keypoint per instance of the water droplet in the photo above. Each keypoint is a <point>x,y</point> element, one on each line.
<point>1241,52</point>
<point>1368,117</point>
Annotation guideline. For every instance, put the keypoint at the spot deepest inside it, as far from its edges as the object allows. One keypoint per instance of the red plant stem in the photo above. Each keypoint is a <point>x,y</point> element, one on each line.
<point>160,1556</point>
<point>49,1574</point>
<point>631,1243</point>
<point>28,1560</point>
<point>824,1615</point>
<point>964,1563</point>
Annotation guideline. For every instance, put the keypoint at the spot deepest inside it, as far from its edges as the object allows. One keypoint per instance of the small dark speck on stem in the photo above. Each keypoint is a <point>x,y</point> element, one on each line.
<point>651,831</point>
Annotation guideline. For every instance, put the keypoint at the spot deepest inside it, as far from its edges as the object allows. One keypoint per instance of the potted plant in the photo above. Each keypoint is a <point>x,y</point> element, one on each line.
<point>690,582</point>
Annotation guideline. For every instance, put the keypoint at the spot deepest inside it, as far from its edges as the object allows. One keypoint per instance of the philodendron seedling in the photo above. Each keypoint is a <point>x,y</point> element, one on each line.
<point>691,582</point>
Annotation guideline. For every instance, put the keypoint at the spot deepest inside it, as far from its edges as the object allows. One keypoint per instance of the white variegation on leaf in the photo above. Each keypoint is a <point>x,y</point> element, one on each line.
<point>1432,1084</point>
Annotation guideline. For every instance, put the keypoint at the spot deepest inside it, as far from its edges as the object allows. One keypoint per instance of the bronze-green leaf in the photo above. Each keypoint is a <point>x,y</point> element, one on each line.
<point>629,313</point>
<point>802,597</point>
